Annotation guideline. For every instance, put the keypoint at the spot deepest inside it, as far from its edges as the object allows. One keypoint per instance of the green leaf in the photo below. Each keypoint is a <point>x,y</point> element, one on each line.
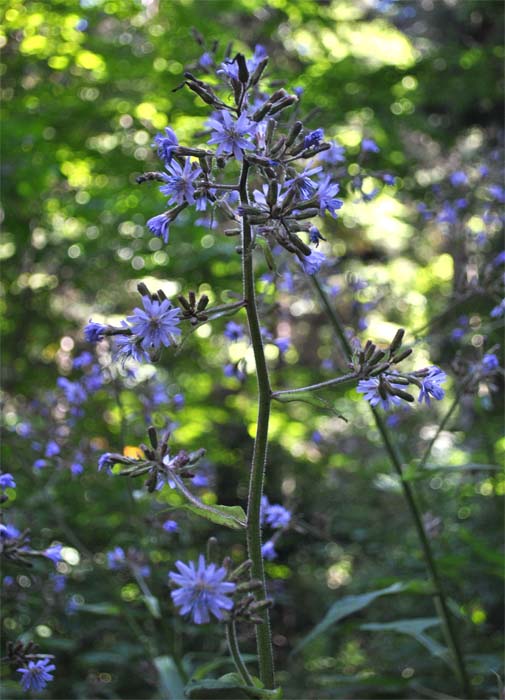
<point>230,687</point>
<point>416,629</point>
<point>170,683</point>
<point>233,517</point>
<point>343,608</point>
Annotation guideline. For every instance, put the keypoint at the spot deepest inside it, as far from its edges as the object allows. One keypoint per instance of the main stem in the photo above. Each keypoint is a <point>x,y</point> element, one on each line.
<point>263,637</point>
<point>408,492</point>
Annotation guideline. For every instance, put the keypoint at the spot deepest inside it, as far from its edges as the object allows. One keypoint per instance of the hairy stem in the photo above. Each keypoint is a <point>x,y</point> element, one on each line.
<point>408,491</point>
<point>315,387</point>
<point>263,637</point>
<point>231,638</point>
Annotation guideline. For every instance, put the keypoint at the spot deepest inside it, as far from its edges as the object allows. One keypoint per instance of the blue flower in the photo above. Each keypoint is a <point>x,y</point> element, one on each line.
<point>82,360</point>
<point>229,135</point>
<point>180,185</point>
<point>170,526</point>
<point>277,516</point>
<point>498,310</point>
<point>76,468</point>
<point>333,155</point>
<point>116,558</point>
<point>53,553</point>
<point>233,331</point>
<point>40,463</point>
<point>497,192</point>
<point>73,391</point>
<point>388,179</point>
<point>9,532</point>
<point>312,263</point>
<point>52,449</point>
<point>313,138</point>
<point>315,235</point>
<point>202,590</point>
<point>431,385</point>
<point>326,194</point>
<point>489,364</point>
<point>7,481</point>
<point>200,481</point>
<point>458,178</point>
<point>302,183</point>
<point>268,550</point>
<point>206,60</point>
<point>283,344</point>
<point>36,674</point>
<point>93,332</point>
<point>156,324</point>
<point>159,226</point>
<point>369,146</point>
<point>106,460</point>
<point>500,259</point>
<point>370,389</point>
<point>129,346</point>
<point>166,145</point>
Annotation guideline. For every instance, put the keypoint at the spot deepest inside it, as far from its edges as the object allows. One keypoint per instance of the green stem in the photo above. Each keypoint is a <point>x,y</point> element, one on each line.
<point>231,638</point>
<point>263,638</point>
<point>408,491</point>
<point>315,387</point>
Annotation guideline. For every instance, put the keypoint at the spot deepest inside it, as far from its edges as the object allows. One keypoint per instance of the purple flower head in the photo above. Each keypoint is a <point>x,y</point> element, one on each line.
<point>156,323</point>
<point>53,553</point>
<point>448,215</point>
<point>93,332</point>
<point>431,385</point>
<point>76,468</point>
<point>231,370</point>
<point>116,558</point>
<point>40,463</point>
<point>180,183</point>
<point>129,346</point>
<point>498,310</point>
<point>106,460</point>
<point>52,449</point>
<point>9,532</point>
<point>229,135</point>
<point>369,146</point>
<point>94,380</point>
<point>500,259</point>
<point>36,674</point>
<point>304,186</point>
<point>202,590</point>
<point>166,145</point>
<point>268,550</point>
<point>7,481</point>
<point>283,344</point>
<point>312,263</point>
<point>327,199</point>
<point>200,481</point>
<point>333,155</point>
<point>388,179</point>
<point>159,225</point>
<point>171,526</point>
<point>489,363</point>
<point>59,582</point>
<point>178,401</point>
<point>277,516</point>
<point>73,391</point>
<point>370,389</point>
<point>317,437</point>
<point>497,192</point>
<point>313,138</point>
<point>233,331</point>
<point>458,178</point>
<point>206,60</point>
<point>82,360</point>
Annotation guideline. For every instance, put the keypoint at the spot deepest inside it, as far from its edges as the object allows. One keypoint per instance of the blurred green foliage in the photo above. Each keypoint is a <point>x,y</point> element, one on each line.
<point>85,87</point>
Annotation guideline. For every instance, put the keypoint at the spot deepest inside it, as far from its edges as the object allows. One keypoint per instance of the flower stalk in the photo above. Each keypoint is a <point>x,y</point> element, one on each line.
<point>263,636</point>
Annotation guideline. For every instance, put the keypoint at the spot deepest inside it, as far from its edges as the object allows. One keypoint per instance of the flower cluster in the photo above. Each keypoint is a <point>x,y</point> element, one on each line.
<point>36,669</point>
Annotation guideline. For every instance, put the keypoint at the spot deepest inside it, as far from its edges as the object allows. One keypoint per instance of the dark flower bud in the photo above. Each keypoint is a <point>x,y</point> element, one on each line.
<point>243,73</point>
<point>397,340</point>
<point>283,104</point>
<point>293,133</point>
<point>270,130</point>
<point>258,72</point>
<point>398,358</point>
<point>399,392</point>
<point>379,369</point>
<point>377,357</point>
<point>273,193</point>
<point>143,290</point>
<point>149,177</point>
<point>153,436</point>
<point>202,302</point>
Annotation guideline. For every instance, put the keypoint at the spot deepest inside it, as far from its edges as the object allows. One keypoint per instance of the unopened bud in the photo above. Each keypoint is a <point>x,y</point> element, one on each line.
<point>397,340</point>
